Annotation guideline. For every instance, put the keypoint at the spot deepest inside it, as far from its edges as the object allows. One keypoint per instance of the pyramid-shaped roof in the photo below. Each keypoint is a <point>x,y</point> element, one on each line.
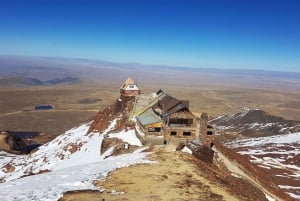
<point>129,81</point>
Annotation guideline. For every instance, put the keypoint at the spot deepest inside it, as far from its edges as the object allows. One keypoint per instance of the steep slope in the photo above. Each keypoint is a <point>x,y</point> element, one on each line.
<point>72,161</point>
<point>275,158</point>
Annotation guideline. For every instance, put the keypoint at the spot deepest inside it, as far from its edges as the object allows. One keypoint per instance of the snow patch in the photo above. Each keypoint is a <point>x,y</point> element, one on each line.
<point>127,136</point>
<point>289,187</point>
<point>276,152</point>
<point>294,195</point>
<point>74,160</point>
<point>187,150</point>
<point>235,175</point>
<point>277,139</point>
<point>51,186</point>
<point>270,198</point>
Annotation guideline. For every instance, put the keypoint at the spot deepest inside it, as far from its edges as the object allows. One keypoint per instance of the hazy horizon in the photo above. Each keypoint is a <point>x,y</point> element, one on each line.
<point>137,65</point>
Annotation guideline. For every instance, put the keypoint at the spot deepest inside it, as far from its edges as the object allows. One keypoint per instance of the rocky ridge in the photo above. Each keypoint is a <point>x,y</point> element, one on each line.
<point>254,123</point>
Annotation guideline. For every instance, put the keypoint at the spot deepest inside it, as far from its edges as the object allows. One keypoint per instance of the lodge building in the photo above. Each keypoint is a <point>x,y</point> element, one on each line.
<point>171,118</point>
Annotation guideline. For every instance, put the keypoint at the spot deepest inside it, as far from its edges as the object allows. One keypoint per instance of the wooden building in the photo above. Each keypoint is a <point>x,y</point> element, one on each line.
<point>172,118</point>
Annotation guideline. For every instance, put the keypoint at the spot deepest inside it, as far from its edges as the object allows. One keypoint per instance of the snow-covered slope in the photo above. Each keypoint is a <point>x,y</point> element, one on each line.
<point>72,161</point>
<point>279,155</point>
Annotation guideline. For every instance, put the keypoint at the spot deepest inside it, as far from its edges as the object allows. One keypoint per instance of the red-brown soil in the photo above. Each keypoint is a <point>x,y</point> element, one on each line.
<point>262,176</point>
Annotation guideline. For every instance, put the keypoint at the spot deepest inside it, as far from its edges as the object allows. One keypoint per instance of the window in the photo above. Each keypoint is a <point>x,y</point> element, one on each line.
<point>173,133</point>
<point>151,129</point>
<point>180,122</point>
<point>154,129</point>
<point>186,134</point>
<point>131,86</point>
<point>209,133</point>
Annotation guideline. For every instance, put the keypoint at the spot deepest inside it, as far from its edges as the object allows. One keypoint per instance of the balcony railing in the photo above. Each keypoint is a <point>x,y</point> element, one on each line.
<point>180,125</point>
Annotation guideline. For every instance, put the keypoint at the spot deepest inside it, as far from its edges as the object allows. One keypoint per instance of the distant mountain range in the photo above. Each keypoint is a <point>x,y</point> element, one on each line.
<point>64,80</point>
<point>53,68</point>
<point>24,81</point>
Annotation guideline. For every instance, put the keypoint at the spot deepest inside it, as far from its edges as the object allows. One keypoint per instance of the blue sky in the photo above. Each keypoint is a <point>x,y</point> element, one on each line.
<point>240,34</point>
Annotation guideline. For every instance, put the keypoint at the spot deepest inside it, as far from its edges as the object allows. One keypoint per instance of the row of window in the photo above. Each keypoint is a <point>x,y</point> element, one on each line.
<point>184,133</point>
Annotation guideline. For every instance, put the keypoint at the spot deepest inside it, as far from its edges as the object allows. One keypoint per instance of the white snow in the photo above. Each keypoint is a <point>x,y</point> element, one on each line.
<point>127,136</point>
<point>74,161</point>
<point>294,196</point>
<point>52,185</point>
<point>274,152</point>
<point>235,175</point>
<point>289,187</point>
<point>186,150</point>
<point>270,198</point>
<point>278,139</point>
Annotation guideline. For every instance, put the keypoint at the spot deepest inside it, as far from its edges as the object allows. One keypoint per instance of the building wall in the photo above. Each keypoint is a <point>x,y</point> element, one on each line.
<point>178,132</point>
<point>203,127</point>
<point>186,126</point>
<point>130,92</point>
<point>156,127</point>
<point>207,132</point>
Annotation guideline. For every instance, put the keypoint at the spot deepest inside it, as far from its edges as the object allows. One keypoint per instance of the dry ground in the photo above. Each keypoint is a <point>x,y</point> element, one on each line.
<point>173,178</point>
<point>176,176</point>
<point>69,112</point>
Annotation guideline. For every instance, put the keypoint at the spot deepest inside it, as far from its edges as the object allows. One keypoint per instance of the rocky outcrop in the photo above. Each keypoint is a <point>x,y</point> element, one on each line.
<point>12,143</point>
<point>120,109</point>
<point>254,123</point>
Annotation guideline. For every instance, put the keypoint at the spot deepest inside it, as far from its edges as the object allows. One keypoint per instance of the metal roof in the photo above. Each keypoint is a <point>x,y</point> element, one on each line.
<point>169,105</point>
<point>149,117</point>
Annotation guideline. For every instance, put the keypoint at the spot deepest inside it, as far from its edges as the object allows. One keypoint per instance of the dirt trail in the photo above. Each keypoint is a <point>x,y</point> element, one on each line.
<point>174,177</point>
<point>10,113</point>
<point>214,96</point>
<point>233,167</point>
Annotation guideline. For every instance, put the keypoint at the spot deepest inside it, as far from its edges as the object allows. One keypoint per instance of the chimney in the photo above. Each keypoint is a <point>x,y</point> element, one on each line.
<point>203,127</point>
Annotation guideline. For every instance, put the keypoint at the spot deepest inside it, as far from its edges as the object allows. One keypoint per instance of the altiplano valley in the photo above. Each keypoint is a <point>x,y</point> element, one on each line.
<point>171,134</point>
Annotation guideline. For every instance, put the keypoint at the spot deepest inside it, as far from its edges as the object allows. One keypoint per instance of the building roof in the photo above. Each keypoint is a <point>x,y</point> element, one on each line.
<point>178,107</point>
<point>129,81</point>
<point>169,105</point>
<point>129,84</point>
<point>161,106</point>
<point>145,103</point>
<point>149,117</point>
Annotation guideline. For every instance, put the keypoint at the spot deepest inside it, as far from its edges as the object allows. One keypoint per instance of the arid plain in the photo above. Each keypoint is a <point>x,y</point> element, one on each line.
<point>24,84</point>
<point>217,92</point>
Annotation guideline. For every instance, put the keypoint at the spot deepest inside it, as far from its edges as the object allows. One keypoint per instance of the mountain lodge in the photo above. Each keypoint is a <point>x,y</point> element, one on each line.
<point>162,114</point>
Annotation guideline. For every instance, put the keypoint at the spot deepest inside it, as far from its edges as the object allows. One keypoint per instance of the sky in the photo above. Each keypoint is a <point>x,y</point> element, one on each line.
<point>240,34</point>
